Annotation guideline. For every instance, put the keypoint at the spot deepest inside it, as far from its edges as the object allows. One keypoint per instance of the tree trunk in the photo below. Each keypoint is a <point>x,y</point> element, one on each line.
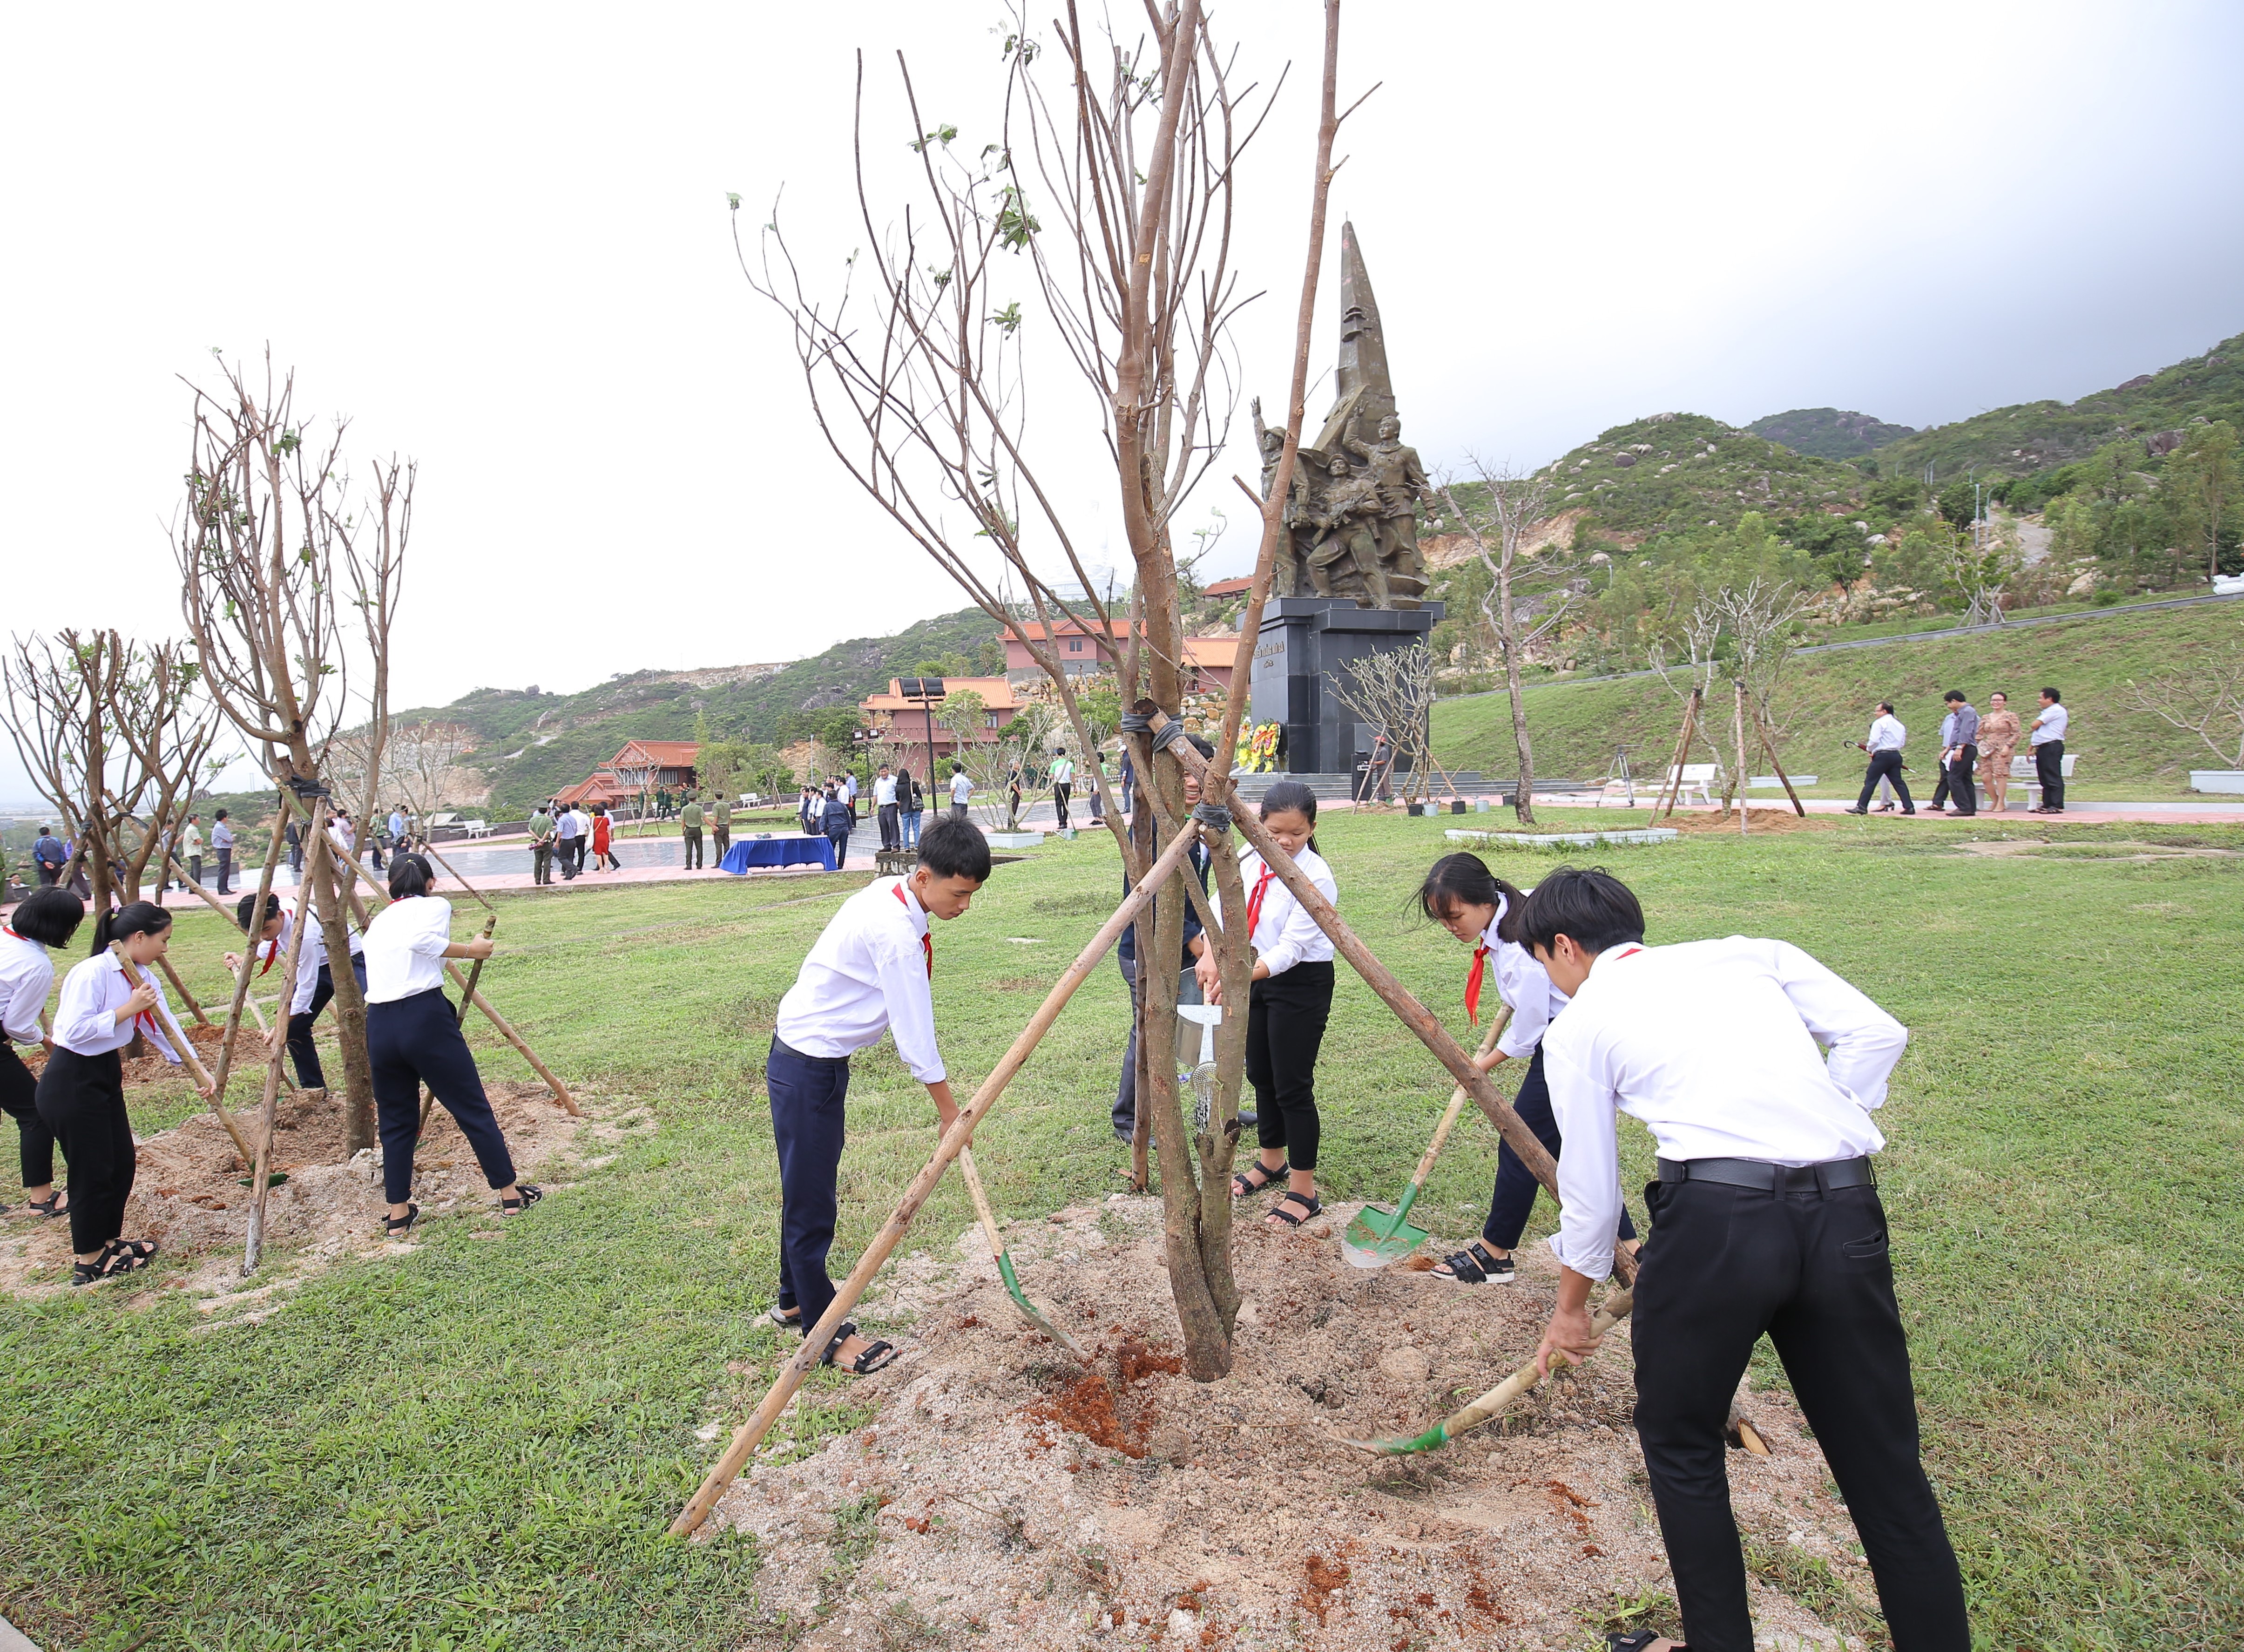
<point>1738,685</point>
<point>329,892</point>
<point>1523,798</point>
<point>1218,1145</point>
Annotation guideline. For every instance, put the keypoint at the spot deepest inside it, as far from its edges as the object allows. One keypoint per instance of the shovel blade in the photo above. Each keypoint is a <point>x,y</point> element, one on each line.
<point>1379,1237</point>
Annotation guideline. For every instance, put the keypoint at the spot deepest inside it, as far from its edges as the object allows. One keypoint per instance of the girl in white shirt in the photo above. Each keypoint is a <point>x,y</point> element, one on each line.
<point>314,986</point>
<point>82,1091</point>
<point>413,1037</point>
<point>46,918</point>
<point>1287,1010</point>
<point>1481,911</point>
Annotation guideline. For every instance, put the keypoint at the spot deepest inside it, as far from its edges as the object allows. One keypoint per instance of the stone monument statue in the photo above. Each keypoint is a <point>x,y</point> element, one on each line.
<point>1353,516</point>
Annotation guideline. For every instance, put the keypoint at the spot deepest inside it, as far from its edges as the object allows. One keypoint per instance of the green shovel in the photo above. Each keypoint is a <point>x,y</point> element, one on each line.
<point>1004,1257</point>
<point>1379,1235</point>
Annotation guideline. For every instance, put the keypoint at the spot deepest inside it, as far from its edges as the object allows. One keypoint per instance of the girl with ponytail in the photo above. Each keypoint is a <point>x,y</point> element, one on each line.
<point>1286,1009</point>
<point>46,918</point>
<point>1481,911</point>
<point>81,1095</point>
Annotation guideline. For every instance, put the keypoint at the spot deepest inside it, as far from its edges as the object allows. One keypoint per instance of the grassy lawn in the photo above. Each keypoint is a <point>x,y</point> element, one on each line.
<point>2124,752</point>
<point>478,1444</point>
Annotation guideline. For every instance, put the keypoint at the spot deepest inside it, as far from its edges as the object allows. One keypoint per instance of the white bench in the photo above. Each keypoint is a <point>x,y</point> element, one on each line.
<point>476,827</point>
<point>2023,770</point>
<point>1697,777</point>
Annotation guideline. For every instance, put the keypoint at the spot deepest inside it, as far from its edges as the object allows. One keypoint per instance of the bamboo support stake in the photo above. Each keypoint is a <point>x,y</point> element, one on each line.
<point>955,1140</point>
<point>522,1047</point>
<point>475,974</point>
<point>242,982</point>
<point>1768,744</point>
<point>180,987</point>
<point>1738,683</point>
<point>1673,787</point>
<point>193,1062</point>
<point>261,1174</point>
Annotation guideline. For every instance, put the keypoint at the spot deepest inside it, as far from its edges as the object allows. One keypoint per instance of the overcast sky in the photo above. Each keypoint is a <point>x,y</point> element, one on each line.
<point>496,238</point>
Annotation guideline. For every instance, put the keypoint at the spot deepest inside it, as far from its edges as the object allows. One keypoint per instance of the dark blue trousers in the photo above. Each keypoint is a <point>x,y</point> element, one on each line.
<point>1516,1186</point>
<point>808,1093</point>
<point>417,1040</point>
<point>309,1074</point>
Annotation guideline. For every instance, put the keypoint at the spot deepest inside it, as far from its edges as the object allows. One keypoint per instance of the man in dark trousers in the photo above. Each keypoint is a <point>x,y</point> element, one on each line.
<point>51,856</point>
<point>2048,742</point>
<point>689,826</point>
<point>1887,737</point>
<point>1959,753</point>
<point>1766,1218</point>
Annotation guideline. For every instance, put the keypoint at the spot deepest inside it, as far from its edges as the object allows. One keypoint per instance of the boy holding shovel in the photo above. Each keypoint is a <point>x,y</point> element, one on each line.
<point>1757,1070</point>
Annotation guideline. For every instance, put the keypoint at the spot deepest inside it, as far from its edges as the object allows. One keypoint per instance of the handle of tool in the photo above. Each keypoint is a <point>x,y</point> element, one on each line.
<point>981,1203</point>
<point>1457,1099</point>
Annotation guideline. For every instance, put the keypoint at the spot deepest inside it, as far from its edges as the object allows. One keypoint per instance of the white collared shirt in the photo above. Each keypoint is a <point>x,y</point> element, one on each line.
<point>85,1020</point>
<point>1284,934</point>
<point>884,788</point>
<point>404,948</point>
<point>1887,734</point>
<point>1523,985</point>
<point>314,955</point>
<point>26,973</point>
<point>1719,1047</point>
<point>961,789</point>
<point>2051,725</point>
<point>866,976</point>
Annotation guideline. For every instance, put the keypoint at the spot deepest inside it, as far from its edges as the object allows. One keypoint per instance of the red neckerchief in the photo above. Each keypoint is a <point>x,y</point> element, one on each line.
<point>1629,949</point>
<point>926,942</point>
<point>1254,900</point>
<point>146,1019</point>
<point>1473,982</point>
<point>10,932</point>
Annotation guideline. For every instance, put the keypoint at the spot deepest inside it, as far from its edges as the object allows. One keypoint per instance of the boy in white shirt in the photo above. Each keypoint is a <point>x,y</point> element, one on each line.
<point>870,973</point>
<point>1756,1070</point>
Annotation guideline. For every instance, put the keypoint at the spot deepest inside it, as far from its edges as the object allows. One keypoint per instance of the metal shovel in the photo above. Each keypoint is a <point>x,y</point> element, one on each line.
<point>1379,1235</point>
<point>1005,1260</point>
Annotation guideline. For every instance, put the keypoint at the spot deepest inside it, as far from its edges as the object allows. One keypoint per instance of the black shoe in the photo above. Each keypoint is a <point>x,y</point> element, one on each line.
<point>1853,811</point>
<point>1246,1119</point>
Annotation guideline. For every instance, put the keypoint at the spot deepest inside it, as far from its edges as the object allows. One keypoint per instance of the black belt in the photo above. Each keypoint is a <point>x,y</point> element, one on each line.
<point>1828,1177</point>
<point>781,1046</point>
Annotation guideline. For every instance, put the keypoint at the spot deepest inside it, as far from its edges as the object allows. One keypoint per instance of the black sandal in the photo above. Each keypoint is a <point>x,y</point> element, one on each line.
<point>52,1206</point>
<point>1475,1266</point>
<point>1634,1641</point>
<point>530,1192</point>
<point>1312,1207</point>
<point>1242,1188</point>
<point>117,1258</point>
<point>395,1225</point>
<point>874,1357</point>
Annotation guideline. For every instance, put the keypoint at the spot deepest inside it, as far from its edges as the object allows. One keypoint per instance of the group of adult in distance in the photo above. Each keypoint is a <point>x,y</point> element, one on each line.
<point>1971,743</point>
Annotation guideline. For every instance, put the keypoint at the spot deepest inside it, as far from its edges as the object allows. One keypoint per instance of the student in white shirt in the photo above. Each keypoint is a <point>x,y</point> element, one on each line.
<point>1757,1070</point>
<point>1287,1008</point>
<point>314,985</point>
<point>81,1095</point>
<point>45,917</point>
<point>2048,742</point>
<point>884,802</point>
<point>1481,909</point>
<point>870,973</point>
<point>412,1038</point>
<point>1887,737</point>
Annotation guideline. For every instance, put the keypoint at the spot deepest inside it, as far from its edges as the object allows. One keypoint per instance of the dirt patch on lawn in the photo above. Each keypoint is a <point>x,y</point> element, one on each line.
<point>1759,817</point>
<point>191,1193</point>
<point>1007,1496</point>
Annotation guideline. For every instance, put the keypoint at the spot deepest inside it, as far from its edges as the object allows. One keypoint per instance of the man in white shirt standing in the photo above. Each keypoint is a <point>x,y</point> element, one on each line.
<point>1766,1218</point>
<point>961,791</point>
<point>884,798</point>
<point>2048,742</point>
<point>1063,784</point>
<point>872,972</point>
<point>1884,744</point>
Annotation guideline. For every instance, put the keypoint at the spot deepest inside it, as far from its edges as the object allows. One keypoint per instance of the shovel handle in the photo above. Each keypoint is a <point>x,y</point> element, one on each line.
<point>1457,1099</point>
<point>973,1178</point>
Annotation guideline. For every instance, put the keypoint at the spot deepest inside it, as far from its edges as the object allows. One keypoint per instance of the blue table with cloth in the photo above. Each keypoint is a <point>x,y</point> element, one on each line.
<point>747,853</point>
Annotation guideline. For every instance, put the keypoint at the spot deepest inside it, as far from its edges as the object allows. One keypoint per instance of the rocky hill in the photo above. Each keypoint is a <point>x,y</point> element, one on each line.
<point>2033,436</point>
<point>529,743</point>
<point>1827,433</point>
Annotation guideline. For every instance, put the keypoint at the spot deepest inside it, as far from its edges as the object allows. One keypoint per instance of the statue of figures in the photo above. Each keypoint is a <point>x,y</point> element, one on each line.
<point>1343,514</point>
<point>1401,483</point>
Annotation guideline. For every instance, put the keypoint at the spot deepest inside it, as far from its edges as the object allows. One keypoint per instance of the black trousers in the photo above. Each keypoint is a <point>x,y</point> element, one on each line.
<point>301,1050</point>
<point>541,862</point>
<point>1956,781</point>
<point>808,1094</point>
<point>81,1098</point>
<point>1125,1092</point>
<point>226,870</point>
<point>19,1100</point>
<point>1286,1017</point>
<point>1060,795</point>
<point>841,842</point>
<point>1812,1270</point>
<point>891,835</point>
<point>412,1041</point>
<point>1516,1186</point>
<point>2048,769</point>
<point>692,836</point>
<point>1886,765</point>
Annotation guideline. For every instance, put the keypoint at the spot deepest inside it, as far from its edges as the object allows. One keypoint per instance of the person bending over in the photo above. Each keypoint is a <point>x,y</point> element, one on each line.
<point>1757,1070</point>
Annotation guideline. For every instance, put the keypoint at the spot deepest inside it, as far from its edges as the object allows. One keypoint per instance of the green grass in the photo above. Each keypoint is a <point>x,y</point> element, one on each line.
<point>1825,699</point>
<point>478,1445</point>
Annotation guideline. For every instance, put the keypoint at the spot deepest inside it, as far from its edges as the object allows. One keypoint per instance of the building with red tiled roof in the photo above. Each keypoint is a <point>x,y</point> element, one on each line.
<point>1223,588</point>
<point>899,721</point>
<point>1208,659</point>
<point>651,765</point>
<point>600,787</point>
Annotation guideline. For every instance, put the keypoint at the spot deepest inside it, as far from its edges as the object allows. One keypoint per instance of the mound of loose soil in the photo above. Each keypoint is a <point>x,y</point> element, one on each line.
<point>1760,816</point>
<point>1007,1496</point>
<point>191,1195</point>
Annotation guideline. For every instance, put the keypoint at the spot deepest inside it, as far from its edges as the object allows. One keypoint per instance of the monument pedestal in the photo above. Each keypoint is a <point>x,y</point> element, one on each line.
<point>1304,644</point>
